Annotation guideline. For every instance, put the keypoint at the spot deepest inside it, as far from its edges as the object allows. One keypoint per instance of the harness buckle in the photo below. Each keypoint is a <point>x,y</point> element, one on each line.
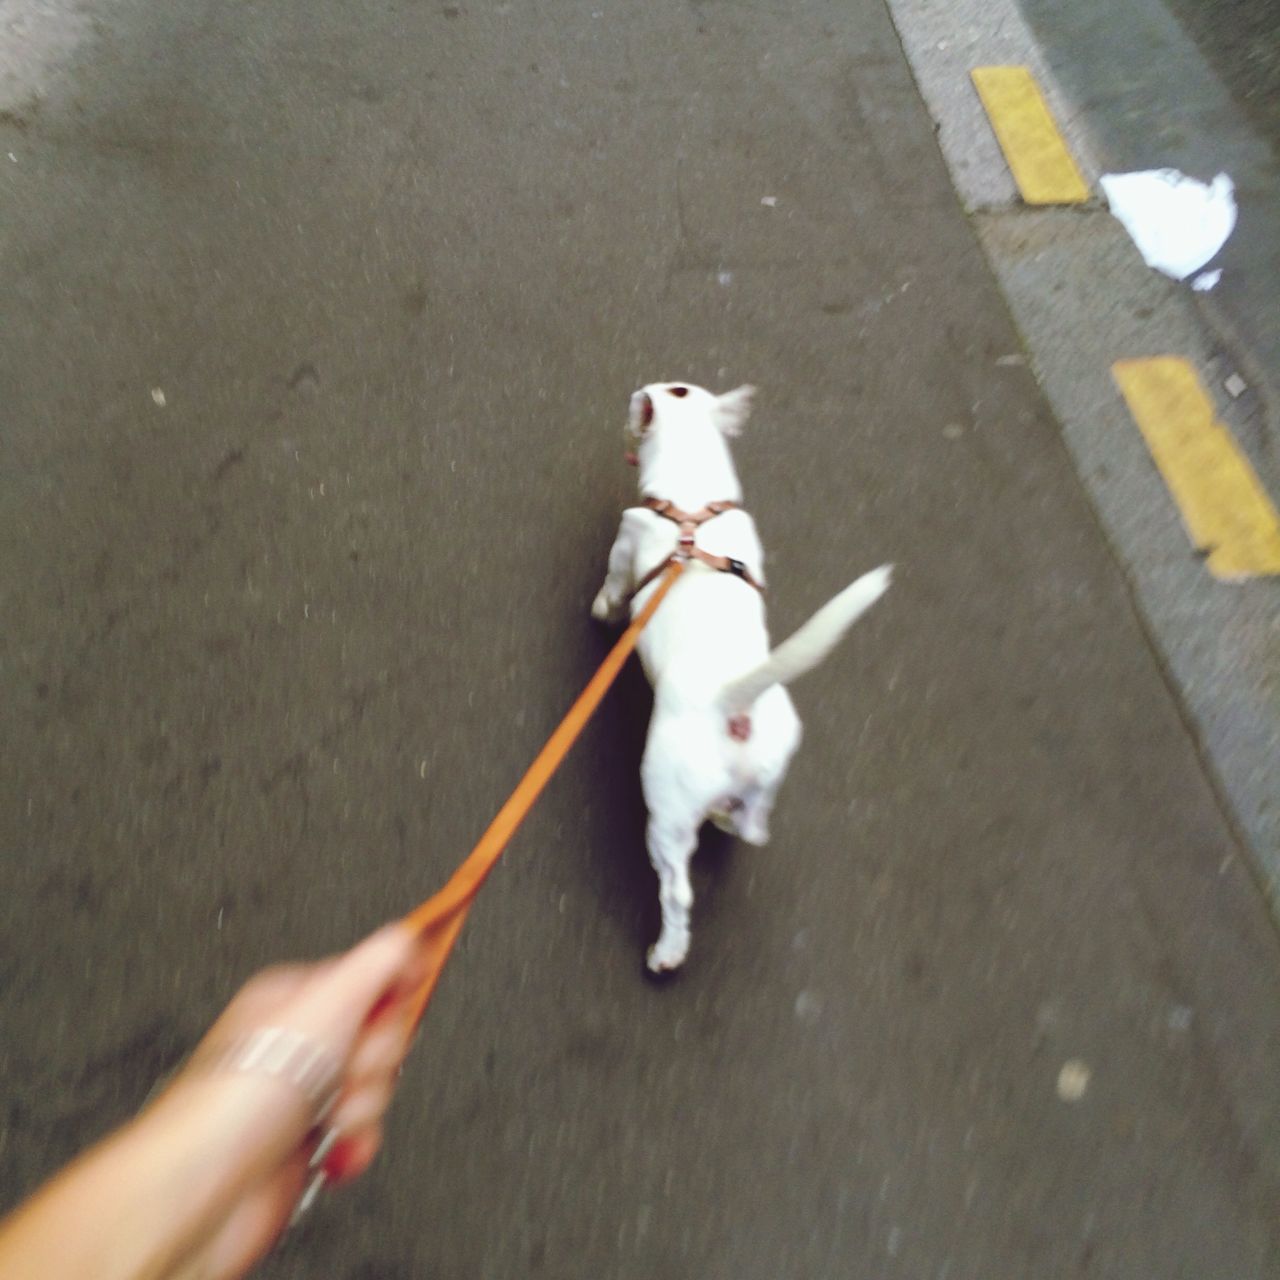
<point>736,567</point>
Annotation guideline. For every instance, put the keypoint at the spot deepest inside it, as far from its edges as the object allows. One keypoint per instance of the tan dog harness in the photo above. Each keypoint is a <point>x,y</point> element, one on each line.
<point>685,548</point>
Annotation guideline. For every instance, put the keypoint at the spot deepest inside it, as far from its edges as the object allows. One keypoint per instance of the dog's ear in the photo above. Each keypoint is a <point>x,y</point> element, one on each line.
<point>733,409</point>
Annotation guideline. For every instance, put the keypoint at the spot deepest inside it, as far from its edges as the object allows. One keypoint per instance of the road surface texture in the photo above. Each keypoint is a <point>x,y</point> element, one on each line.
<point>320,322</point>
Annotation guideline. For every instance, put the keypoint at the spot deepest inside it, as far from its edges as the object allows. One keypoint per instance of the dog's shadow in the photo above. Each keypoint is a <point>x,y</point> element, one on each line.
<point>624,884</point>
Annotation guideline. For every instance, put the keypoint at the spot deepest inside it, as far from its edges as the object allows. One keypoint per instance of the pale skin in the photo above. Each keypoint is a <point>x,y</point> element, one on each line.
<point>201,1184</point>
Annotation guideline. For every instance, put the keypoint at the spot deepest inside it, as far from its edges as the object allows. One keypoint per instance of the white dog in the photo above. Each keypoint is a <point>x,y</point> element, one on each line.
<point>724,728</point>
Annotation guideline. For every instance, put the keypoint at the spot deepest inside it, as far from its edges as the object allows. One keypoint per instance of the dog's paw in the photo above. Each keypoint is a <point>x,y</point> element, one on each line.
<point>665,959</point>
<point>723,821</point>
<point>604,610</point>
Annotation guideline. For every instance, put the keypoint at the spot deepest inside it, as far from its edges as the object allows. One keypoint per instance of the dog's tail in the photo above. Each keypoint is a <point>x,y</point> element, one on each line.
<point>810,645</point>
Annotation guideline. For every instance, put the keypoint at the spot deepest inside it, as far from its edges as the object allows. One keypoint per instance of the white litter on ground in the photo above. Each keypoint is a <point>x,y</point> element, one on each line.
<point>1177,222</point>
<point>1206,280</point>
<point>1073,1080</point>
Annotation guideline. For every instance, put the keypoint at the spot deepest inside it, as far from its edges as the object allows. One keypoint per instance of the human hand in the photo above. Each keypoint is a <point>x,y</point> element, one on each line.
<point>201,1184</point>
<point>357,1010</point>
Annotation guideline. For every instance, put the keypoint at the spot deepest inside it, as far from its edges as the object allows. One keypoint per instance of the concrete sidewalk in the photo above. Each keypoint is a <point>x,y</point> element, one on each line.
<point>1130,91</point>
<point>320,325</point>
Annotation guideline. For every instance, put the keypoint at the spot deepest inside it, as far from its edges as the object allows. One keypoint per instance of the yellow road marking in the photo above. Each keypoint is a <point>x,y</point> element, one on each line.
<point>1024,126</point>
<point>1224,506</point>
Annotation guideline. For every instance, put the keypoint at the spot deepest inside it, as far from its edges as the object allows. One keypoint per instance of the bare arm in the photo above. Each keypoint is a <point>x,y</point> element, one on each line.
<point>201,1184</point>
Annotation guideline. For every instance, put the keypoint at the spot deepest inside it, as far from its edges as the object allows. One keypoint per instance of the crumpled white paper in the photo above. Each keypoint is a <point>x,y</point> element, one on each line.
<point>1177,222</point>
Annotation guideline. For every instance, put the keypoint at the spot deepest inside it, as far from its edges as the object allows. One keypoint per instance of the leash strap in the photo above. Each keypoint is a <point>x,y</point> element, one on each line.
<point>721,564</point>
<point>440,919</point>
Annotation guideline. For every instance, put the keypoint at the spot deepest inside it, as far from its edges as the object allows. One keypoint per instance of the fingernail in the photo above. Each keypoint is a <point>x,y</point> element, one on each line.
<point>340,1161</point>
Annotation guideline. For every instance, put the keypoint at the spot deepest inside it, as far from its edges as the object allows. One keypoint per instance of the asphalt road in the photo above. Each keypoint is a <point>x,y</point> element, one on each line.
<point>1242,40</point>
<point>275,650</point>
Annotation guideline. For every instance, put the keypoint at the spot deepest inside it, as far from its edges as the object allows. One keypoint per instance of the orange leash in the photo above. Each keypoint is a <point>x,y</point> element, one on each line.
<point>441,917</point>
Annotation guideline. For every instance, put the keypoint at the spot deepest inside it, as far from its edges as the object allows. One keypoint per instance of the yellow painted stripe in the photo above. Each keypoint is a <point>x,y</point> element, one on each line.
<point>1024,126</point>
<point>1223,504</point>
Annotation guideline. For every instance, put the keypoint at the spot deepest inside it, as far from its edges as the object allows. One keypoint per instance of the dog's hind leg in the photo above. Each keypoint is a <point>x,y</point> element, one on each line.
<point>753,819</point>
<point>671,848</point>
<point>746,816</point>
<point>769,767</point>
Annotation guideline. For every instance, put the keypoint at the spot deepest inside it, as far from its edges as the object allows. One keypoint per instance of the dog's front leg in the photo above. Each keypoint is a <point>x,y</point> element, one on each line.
<point>610,604</point>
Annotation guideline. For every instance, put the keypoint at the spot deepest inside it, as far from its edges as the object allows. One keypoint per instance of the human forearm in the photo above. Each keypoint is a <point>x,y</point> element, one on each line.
<point>201,1184</point>
<point>141,1201</point>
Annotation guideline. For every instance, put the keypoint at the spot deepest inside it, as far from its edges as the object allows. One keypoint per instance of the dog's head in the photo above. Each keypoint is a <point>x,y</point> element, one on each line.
<point>684,412</point>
